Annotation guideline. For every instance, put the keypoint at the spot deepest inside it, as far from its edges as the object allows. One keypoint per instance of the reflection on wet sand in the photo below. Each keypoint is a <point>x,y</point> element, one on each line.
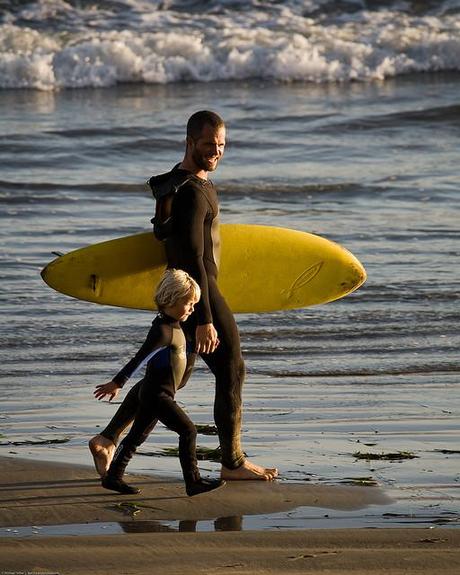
<point>234,523</point>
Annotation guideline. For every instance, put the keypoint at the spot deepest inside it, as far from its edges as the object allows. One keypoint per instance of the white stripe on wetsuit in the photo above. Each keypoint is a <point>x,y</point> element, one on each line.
<point>147,359</point>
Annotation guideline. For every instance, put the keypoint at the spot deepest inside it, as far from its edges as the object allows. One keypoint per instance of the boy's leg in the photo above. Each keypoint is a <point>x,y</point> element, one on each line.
<point>102,446</point>
<point>171,415</point>
<point>143,424</point>
<point>177,420</point>
<point>124,414</point>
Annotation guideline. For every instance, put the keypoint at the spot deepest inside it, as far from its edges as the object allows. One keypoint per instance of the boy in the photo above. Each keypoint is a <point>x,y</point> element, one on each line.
<point>164,352</point>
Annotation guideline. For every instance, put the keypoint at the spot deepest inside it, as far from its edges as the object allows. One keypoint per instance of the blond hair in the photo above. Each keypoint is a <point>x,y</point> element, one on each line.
<point>174,286</point>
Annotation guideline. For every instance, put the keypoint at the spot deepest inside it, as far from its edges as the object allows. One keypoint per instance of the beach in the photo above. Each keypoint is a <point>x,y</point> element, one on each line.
<point>343,121</point>
<point>75,532</point>
<point>333,393</point>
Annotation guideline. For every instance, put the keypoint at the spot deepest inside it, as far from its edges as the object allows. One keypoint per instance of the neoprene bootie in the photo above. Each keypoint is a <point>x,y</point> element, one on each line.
<point>119,485</point>
<point>202,486</point>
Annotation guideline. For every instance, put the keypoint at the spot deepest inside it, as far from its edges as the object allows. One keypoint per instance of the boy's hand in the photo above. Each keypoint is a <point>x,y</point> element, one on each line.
<point>206,338</point>
<point>110,388</point>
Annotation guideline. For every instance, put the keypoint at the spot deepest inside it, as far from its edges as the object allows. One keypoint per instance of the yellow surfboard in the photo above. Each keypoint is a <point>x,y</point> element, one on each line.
<point>262,269</point>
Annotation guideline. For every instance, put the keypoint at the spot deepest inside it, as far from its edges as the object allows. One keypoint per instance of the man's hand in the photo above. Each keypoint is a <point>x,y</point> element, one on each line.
<point>110,388</point>
<point>206,338</point>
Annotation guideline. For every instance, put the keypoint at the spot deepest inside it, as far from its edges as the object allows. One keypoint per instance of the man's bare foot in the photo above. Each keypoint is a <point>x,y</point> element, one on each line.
<point>248,471</point>
<point>102,450</point>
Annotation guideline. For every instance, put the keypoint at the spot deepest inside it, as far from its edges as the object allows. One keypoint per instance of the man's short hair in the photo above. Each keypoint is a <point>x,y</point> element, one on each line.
<point>174,286</point>
<point>199,120</point>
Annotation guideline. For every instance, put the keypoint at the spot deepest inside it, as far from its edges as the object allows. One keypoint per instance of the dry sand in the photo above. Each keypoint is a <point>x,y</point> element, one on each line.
<point>40,493</point>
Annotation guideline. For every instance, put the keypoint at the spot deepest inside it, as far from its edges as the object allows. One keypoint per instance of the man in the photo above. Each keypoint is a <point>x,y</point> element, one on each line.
<point>186,219</point>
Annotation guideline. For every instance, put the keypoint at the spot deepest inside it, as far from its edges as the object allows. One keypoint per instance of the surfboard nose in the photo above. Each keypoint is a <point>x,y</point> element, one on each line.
<point>45,273</point>
<point>54,273</point>
<point>48,273</point>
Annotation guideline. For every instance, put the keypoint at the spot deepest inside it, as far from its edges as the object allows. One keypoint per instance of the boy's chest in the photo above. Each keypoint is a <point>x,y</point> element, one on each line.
<point>178,347</point>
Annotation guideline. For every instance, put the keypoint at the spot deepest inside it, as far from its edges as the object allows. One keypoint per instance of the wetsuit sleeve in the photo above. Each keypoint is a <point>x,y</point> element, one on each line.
<point>156,340</point>
<point>190,209</point>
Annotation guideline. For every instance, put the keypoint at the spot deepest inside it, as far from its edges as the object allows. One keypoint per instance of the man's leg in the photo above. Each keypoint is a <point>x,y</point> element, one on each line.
<point>102,446</point>
<point>228,370</point>
<point>227,365</point>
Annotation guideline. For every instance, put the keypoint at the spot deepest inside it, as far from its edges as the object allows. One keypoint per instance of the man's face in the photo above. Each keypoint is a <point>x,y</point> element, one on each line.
<point>208,149</point>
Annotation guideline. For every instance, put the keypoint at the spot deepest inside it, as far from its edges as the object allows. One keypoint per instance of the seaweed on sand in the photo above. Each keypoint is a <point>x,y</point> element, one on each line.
<point>202,453</point>
<point>364,481</point>
<point>36,441</point>
<point>206,429</point>
<point>130,508</point>
<point>395,456</point>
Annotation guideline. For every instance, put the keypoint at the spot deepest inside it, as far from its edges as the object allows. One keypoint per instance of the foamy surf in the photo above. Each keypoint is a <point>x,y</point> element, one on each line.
<point>52,44</point>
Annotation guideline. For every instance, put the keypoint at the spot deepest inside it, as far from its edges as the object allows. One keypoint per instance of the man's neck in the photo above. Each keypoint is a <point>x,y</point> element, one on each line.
<point>193,168</point>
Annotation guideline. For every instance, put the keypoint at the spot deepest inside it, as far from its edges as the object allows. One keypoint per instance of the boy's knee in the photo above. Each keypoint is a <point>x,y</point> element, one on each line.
<point>134,440</point>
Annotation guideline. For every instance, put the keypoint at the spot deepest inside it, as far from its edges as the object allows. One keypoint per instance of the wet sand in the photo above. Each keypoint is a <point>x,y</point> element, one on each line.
<point>41,494</point>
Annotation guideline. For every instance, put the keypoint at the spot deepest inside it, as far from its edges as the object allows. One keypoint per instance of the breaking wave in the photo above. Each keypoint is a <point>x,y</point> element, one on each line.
<point>54,44</point>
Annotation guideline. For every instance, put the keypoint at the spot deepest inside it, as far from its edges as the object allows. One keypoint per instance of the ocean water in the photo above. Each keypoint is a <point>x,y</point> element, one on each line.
<point>343,120</point>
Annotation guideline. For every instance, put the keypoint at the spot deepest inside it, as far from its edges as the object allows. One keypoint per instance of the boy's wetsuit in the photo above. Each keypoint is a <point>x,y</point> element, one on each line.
<point>192,243</point>
<point>168,369</point>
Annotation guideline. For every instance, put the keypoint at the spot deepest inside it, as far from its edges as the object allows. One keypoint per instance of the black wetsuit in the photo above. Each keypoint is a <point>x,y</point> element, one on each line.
<point>192,243</point>
<point>168,368</point>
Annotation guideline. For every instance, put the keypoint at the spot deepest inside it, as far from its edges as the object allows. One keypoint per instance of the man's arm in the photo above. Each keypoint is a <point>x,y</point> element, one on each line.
<point>207,338</point>
<point>190,209</point>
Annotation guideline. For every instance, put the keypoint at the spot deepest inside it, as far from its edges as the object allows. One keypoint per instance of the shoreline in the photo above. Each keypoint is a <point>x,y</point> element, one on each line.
<point>63,493</point>
<point>45,493</point>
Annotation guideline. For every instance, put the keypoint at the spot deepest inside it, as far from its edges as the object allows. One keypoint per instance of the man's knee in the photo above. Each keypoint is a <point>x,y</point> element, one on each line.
<point>230,376</point>
<point>241,369</point>
<point>188,430</point>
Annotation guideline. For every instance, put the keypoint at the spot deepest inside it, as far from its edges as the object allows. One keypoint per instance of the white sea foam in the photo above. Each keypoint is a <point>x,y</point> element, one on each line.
<point>52,44</point>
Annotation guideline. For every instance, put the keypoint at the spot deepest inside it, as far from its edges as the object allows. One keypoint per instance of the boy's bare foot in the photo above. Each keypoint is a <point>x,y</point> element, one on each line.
<point>248,471</point>
<point>102,450</point>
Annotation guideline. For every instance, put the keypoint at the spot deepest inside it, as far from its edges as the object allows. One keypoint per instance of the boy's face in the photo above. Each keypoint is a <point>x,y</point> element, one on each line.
<point>182,309</point>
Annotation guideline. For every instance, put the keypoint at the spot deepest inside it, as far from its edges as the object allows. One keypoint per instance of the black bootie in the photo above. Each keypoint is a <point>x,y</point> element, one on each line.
<point>115,484</point>
<point>202,486</point>
<point>113,480</point>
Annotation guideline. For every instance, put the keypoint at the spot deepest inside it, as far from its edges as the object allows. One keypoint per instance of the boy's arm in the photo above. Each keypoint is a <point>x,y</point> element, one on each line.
<point>111,388</point>
<point>155,341</point>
